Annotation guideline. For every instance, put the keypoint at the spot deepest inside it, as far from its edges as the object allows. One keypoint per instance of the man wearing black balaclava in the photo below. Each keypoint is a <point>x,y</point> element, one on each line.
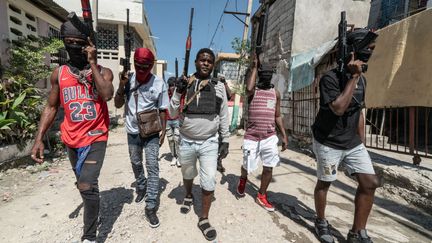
<point>339,136</point>
<point>260,139</point>
<point>82,89</point>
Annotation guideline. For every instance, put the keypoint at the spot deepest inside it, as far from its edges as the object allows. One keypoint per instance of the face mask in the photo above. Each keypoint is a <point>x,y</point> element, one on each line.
<point>143,71</point>
<point>364,55</point>
<point>77,57</point>
<point>265,78</point>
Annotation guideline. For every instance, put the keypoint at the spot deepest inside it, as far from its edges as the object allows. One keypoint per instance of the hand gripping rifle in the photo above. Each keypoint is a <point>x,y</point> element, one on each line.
<point>87,26</point>
<point>125,62</point>
<point>188,45</point>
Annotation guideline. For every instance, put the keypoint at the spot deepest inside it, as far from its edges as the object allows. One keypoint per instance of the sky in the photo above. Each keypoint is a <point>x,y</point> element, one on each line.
<point>169,23</point>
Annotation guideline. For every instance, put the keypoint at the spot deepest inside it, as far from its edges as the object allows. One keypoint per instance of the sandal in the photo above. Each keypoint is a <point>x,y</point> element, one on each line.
<point>186,206</point>
<point>208,231</point>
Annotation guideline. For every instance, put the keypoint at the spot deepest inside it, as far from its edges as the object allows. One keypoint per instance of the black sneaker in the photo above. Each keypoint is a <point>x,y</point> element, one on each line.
<point>322,230</point>
<point>151,217</point>
<point>141,194</point>
<point>360,237</point>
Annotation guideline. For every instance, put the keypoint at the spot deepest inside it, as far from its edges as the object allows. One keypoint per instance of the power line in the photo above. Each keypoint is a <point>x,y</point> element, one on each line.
<point>217,27</point>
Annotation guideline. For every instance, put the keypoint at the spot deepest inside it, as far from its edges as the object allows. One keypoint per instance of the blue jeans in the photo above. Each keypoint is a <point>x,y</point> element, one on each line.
<point>151,147</point>
<point>206,153</point>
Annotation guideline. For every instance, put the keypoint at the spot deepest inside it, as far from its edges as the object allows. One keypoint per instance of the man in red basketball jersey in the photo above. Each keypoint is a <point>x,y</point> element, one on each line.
<point>82,88</point>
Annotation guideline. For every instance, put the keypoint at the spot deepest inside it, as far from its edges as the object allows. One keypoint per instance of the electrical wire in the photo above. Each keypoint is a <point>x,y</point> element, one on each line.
<point>217,27</point>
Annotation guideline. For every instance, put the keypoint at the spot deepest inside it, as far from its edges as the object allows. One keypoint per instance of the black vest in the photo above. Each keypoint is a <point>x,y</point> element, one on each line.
<point>206,102</point>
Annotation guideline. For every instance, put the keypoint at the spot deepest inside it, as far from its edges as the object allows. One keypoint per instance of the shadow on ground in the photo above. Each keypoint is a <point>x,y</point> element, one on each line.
<point>411,214</point>
<point>178,193</point>
<point>111,206</point>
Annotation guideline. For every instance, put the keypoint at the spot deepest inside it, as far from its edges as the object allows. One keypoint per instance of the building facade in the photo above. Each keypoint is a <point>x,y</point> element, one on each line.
<point>28,18</point>
<point>110,21</point>
<point>284,31</point>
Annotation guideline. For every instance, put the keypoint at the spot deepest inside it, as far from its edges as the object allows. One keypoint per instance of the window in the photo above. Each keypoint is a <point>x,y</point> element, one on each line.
<point>15,20</point>
<point>107,37</point>
<point>16,32</point>
<point>53,32</point>
<point>15,9</point>
<point>30,17</point>
<point>31,27</point>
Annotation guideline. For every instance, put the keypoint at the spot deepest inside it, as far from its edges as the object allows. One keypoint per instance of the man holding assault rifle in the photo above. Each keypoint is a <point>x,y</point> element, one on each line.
<point>146,99</point>
<point>81,88</point>
<point>339,132</point>
<point>203,117</point>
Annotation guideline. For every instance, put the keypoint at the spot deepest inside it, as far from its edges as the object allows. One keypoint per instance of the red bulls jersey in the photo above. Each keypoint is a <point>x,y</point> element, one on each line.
<point>86,118</point>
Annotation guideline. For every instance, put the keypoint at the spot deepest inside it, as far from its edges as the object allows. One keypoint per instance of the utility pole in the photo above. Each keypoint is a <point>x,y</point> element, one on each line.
<point>234,118</point>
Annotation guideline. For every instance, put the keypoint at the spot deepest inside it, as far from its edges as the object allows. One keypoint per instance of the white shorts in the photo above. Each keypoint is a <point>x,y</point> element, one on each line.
<point>266,150</point>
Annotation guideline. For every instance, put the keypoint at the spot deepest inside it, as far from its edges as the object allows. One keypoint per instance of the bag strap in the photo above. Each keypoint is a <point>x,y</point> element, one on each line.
<point>202,84</point>
<point>134,89</point>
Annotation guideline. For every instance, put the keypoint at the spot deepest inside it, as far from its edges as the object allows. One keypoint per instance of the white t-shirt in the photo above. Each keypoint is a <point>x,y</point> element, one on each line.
<point>151,95</point>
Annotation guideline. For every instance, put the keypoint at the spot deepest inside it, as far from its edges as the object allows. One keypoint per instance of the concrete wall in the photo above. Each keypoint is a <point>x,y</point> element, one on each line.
<point>41,23</point>
<point>293,27</point>
<point>374,14</point>
<point>4,30</point>
<point>316,22</point>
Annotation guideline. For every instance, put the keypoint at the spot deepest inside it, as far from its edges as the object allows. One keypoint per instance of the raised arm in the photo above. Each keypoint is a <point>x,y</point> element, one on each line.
<point>251,81</point>
<point>341,103</point>
<point>103,81</point>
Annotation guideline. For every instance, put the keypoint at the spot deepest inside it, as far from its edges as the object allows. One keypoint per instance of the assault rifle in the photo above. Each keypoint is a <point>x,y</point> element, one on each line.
<point>176,68</point>
<point>87,26</point>
<point>125,62</point>
<point>342,44</point>
<point>188,44</point>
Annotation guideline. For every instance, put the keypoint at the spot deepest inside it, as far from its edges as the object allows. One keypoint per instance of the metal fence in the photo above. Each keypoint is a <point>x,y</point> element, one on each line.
<point>403,130</point>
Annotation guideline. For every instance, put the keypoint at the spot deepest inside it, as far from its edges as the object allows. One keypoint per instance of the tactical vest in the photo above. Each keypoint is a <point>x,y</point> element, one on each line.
<point>206,102</point>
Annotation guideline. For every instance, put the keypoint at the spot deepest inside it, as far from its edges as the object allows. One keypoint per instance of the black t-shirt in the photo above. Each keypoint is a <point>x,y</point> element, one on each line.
<point>339,132</point>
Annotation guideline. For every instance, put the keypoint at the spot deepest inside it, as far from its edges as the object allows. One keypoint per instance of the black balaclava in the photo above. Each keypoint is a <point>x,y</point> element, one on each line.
<point>265,74</point>
<point>77,57</point>
<point>358,41</point>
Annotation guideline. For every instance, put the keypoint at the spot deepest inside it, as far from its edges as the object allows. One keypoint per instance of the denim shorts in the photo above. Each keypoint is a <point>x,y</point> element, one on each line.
<point>206,152</point>
<point>355,160</point>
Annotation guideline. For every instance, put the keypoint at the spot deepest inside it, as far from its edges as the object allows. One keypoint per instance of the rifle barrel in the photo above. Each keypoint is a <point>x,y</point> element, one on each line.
<point>188,44</point>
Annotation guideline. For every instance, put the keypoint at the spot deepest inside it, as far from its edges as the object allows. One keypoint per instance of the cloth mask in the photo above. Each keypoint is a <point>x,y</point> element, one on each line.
<point>143,62</point>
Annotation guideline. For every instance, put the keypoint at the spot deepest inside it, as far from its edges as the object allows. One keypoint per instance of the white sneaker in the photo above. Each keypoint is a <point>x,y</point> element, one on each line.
<point>173,162</point>
<point>89,241</point>
<point>178,163</point>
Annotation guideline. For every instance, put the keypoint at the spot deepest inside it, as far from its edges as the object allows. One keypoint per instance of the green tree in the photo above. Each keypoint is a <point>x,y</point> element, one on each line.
<point>20,99</point>
<point>242,48</point>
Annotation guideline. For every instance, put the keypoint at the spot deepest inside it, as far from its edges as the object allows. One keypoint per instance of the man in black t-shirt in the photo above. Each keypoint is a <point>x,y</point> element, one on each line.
<point>339,135</point>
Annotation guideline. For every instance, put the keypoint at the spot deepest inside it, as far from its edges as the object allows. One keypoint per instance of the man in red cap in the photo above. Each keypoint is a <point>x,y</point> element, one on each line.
<point>143,91</point>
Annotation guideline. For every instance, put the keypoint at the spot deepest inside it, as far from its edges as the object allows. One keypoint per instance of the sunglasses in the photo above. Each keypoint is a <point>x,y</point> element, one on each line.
<point>143,65</point>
